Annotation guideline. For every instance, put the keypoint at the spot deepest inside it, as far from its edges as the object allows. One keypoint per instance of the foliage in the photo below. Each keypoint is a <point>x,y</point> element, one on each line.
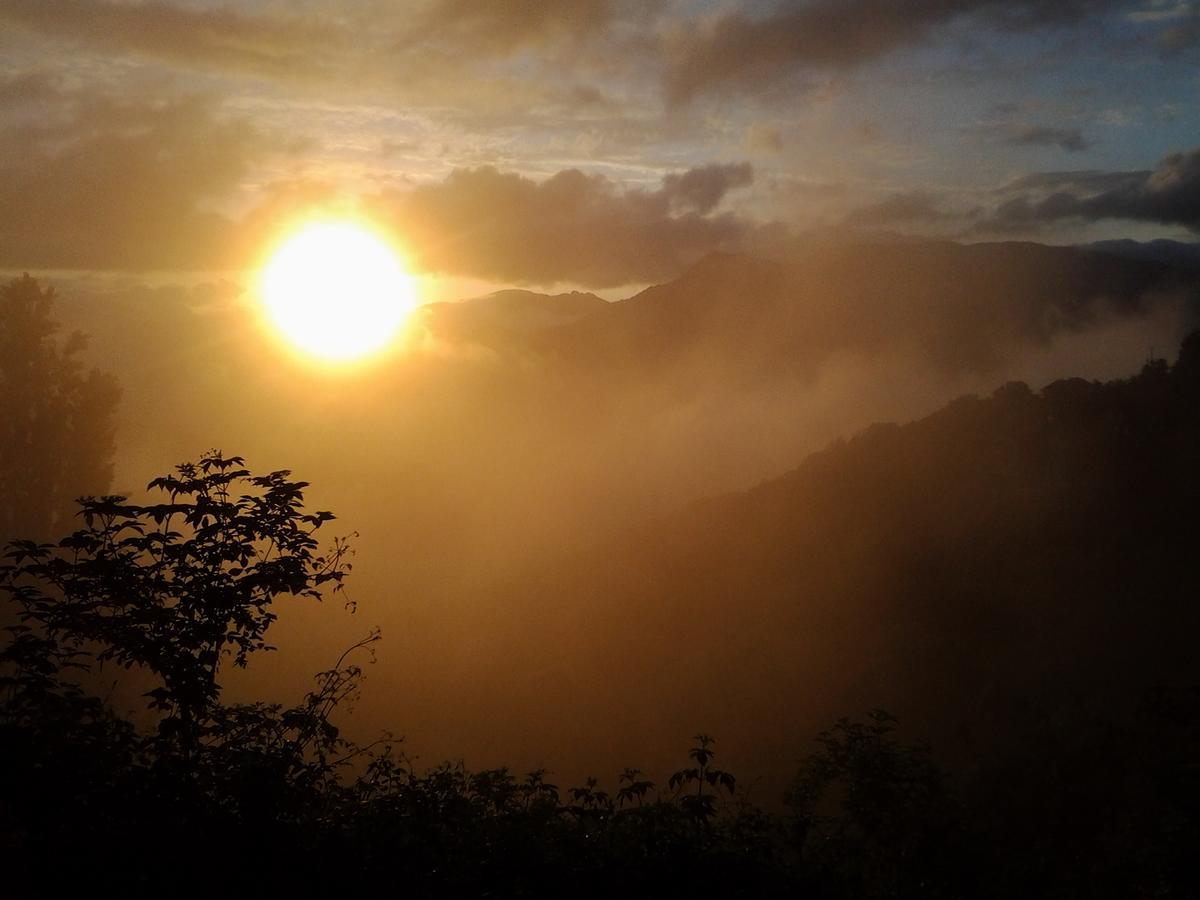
<point>871,815</point>
<point>633,787</point>
<point>451,831</point>
<point>264,796</point>
<point>179,586</point>
<point>57,420</point>
<point>175,589</point>
<point>700,804</point>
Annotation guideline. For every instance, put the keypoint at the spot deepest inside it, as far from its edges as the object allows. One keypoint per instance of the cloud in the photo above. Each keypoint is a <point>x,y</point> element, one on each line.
<point>213,37</point>
<point>900,208</point>
<point>1078,181</point>
<point>763,138</point>
<point>1070,139</point>
<point>94,183</point>
<point>1180,23</point>
<point>1180,37</point>
<point>737,51</point>
<point>1016,133</point>
<point>571,227</point>
<point>436,54</point>
<point>1169,194</point>
<point>26,90</point>
<point>483,26</point>
<point>701,189</point>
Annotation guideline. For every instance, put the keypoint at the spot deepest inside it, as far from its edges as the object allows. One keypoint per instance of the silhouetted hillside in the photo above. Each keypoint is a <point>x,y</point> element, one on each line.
<point>1176,253</point>
<point>964,306</point>
<point>1006,561</point>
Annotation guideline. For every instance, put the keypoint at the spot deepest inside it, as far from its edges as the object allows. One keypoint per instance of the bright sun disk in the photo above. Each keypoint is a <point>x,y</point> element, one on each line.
<point>336,290</point>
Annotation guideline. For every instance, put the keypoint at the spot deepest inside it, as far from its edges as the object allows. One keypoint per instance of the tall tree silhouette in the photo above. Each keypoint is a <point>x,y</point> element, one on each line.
<point>57,419</point>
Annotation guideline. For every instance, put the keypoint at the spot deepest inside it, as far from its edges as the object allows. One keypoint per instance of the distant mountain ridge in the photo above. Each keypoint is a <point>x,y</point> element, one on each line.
<point>742,316</point>
<point>1175,253</point>
<point>734,317</point>
<point>961,304</point>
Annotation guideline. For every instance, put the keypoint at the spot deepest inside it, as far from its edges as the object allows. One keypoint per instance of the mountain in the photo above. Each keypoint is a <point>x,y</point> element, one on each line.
<point>1022,558</point>
<point>498,469</point>
<point>708,384</point>
<point>963,306</point>
<point>747,319</point>
<point>1176,253</point>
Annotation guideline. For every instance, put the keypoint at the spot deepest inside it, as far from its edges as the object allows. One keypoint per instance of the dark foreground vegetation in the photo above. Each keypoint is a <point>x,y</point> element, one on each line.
<point>266,796</point>
<point>1074,636</point>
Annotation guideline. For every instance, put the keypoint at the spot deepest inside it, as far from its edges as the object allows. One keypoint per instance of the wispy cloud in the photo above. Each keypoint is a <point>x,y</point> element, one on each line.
<point>1070,139</point>
<point>274,45</point>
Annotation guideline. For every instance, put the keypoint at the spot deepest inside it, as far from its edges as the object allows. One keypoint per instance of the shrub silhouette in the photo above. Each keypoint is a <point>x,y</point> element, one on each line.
<point>700,804</point>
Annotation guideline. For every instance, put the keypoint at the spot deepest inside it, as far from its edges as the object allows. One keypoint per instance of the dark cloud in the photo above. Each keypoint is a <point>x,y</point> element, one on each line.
<point>739,51</point>
<point>1167,195</point>
<point>1070,139</point>
<point>1179,38</point>
<point>897,209</point>
<point>1014,132</point>
<point>94,183</point>
<point>1007,108</point>
<point>559,57</point>
<point>1077,181</point>
<point>27,90</point>
<point>571,227</point>
<point>1181,35</point>
<point>701,189</point>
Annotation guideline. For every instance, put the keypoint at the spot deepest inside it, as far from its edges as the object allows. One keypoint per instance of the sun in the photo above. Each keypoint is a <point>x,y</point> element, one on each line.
<point>336,290</point>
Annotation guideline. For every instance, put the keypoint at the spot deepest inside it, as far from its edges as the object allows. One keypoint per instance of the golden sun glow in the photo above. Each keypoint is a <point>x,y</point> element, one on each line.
<point>336,290</point>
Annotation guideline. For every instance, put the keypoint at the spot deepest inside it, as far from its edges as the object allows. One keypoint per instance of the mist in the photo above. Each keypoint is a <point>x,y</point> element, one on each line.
<point>495,445</point>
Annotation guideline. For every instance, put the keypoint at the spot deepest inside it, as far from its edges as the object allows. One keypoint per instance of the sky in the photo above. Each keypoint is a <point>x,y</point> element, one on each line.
<point>599,144</point>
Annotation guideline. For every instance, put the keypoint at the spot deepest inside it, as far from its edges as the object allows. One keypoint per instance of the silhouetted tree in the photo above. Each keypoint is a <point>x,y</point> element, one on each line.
<point>871,814</point>
<point>57,419</point>
<point>175,587</point>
